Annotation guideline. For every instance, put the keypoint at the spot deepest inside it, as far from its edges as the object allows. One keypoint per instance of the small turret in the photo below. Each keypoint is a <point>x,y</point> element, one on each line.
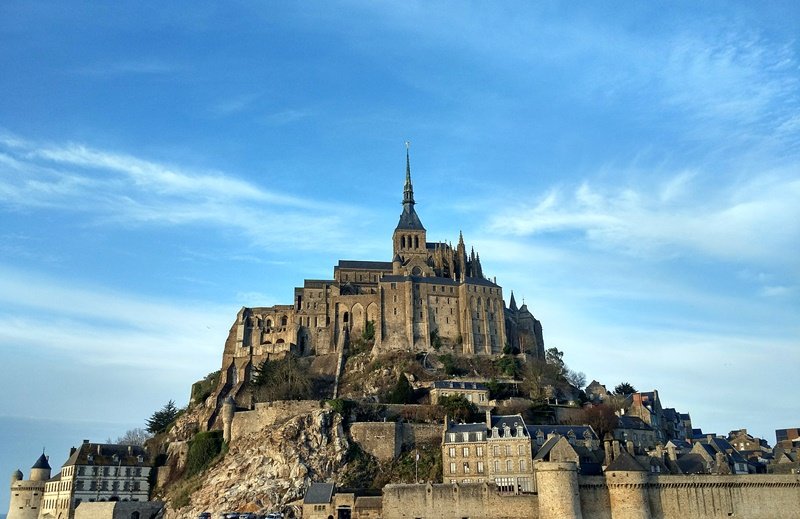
<point>16,476</point>
<point>397,264</point>
<point>41,469</point>
<point>228,409</point>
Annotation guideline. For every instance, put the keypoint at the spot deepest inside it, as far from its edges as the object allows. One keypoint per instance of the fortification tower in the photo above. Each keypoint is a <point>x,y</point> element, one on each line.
<point>26,495</point>
<point>557,485</point>
<point>627,488</point>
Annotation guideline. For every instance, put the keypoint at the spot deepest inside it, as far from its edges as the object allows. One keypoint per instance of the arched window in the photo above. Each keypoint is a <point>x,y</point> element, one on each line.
<point>345,317</point>
<point>416,242</point>
<point>402,242</point>
<point>284,320</point>
<point>269,324</point>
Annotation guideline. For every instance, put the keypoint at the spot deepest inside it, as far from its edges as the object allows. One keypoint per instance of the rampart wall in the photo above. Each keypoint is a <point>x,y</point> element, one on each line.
<point>269,413</point>
<point>473,500</point>
<point>616,495</point>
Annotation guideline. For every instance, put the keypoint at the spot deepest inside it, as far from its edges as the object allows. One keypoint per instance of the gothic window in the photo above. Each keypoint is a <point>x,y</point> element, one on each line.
<point>269,324</point>
<point>345,317</point>
<point>284,320</point>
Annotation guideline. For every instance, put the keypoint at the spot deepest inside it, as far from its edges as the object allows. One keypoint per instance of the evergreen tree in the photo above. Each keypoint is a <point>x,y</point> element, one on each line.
<point>402,393</point>
<point>162,418</point>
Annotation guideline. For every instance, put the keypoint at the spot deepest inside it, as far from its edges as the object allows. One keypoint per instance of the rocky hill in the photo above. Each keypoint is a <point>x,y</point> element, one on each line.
<point>264,471</point>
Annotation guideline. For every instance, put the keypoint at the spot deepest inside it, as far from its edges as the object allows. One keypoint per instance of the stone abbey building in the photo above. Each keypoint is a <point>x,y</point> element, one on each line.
<point>429,295</point>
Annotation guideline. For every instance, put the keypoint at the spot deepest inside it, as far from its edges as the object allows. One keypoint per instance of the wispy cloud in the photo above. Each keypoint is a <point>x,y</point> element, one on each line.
<point>120,188</point>
<point>756,219</point>
<point>99,326</point>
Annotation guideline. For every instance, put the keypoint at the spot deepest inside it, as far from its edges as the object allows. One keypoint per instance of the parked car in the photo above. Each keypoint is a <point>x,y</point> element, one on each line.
<point>275,515</point>
<point>204,515</point>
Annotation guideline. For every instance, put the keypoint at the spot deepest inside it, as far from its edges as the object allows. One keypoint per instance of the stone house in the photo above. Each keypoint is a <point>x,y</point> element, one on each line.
<point>635,430</point>
<point>96,472</point>
<point>647,407</point>
<point>497,450</point>
<point>325,501</point>
<point>475,392</point>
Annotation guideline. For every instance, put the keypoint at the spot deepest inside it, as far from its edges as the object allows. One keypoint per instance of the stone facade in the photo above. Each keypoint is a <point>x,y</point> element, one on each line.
<point>119,510</point>
<point>498,451</point>
<point>431,294</point>
<point>474,392</point>
<point>96,472</point>
<point>26,495</point>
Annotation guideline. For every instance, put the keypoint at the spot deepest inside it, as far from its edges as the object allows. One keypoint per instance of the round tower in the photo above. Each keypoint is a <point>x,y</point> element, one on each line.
<point>26,495</point>
<point>228,408</point>
<point>41,469</point>
<point>557,485</point>
<point>627,492</point>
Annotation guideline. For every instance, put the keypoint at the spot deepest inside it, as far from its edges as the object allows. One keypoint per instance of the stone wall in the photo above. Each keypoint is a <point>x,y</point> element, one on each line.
<point>381,439</point>
<point>617,495</point>
<point>269,413</point>
<point>473,500</point>
<point>119,510</point>
<point>416,433</point>
<point>386,440</point>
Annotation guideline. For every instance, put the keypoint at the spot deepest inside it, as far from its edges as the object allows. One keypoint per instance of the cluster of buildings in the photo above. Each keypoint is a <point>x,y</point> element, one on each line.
<point>432,294</point>
<point>93,473</point>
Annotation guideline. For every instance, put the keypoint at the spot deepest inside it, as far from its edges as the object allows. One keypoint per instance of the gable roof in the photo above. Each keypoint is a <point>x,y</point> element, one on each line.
<point>625,463</point>
<point>692,464</point>
<point>632,422</point>
<point>319,494</point>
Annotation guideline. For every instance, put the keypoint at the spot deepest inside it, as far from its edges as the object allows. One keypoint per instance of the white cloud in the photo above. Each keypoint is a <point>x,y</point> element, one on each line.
<point>125,190</point>
<point>755,220</point>
<point>98,326</point>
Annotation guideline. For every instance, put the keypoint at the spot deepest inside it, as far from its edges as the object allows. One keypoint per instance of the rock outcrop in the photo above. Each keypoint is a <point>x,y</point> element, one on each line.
<point>267,470</point>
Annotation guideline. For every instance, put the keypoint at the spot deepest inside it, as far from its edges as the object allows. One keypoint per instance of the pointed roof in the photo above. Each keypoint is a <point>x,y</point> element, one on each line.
<point>512,304</point>
<point>408,218</point>
<point>41,463</point>
<point>625,463</point>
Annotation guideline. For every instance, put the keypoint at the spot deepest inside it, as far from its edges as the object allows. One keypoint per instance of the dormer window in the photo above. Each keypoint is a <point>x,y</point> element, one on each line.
<point>480,435</point>
<point>90,458</point>
<point>453,437</point>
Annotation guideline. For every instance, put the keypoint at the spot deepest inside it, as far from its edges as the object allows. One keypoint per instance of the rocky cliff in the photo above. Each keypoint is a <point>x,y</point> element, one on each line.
<point>271,467</point>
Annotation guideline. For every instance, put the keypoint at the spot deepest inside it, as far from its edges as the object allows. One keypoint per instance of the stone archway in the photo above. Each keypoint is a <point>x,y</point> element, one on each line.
<point>358,319</point>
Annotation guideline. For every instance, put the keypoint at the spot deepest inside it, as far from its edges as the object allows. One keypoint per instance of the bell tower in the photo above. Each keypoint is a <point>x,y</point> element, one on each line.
<point>409,235</point>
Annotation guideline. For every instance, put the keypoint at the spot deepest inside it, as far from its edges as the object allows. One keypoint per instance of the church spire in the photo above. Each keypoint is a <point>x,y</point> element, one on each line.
<point>408,218</point>
<point>408,190</point>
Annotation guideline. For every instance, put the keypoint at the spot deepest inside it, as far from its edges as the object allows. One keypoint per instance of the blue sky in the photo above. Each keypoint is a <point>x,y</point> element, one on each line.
<point>631,170</point>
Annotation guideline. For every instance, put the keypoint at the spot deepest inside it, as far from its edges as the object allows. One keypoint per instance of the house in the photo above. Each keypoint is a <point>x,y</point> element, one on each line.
<point>647,407</point>
<point>97,472</point>
<point>324,501</point>
<point>726,459</point>
<point>635,430</point>
<point>558,443</point>
<point>497,450</point>
<point>475,392</point>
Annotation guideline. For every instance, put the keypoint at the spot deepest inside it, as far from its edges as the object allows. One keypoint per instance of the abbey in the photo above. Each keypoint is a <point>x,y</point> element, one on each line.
<point>431,295</point>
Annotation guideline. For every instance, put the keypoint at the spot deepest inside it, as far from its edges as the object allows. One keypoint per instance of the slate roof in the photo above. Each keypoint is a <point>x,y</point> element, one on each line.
<point>562,430</point>
<point>625,463</point>
<point>692,464</point>
<point>632,422</point>
<point>680,444</point>
<point>461,428</point>
<point>319,494</point>
<point>512,421</point>
<point>454,384</point>
<point>409,219</point>
<point>103,454</point>
<point>41,463</point>
<point>546,448</point>
<point>365,265</point>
